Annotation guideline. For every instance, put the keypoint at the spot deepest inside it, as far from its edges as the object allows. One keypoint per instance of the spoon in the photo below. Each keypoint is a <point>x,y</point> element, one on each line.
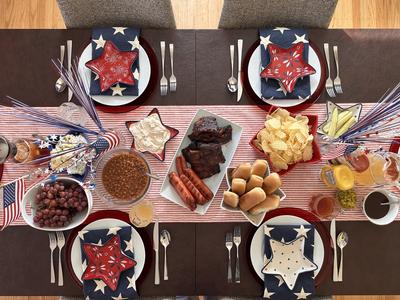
<point>390,202</point>
<point>165,239</point>
<point>342,240</point>
<point>232,81</point>
<point>60,83</point>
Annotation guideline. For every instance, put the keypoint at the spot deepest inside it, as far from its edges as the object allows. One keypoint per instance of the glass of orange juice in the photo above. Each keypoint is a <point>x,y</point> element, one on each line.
<point>141,214</point>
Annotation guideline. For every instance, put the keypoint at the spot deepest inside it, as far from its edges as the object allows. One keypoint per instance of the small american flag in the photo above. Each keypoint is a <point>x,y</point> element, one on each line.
<point>11,194</point>
<point>106,142</point>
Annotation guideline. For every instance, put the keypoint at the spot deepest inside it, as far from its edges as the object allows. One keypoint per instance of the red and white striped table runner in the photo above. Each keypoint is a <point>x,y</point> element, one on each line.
<point>299,184</point>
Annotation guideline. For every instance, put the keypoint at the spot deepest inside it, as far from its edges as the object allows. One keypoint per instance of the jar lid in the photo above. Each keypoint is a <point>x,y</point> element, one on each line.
<point>4,149</point>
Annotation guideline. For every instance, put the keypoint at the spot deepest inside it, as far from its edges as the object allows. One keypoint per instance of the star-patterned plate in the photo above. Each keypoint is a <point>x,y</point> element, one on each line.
<point>173,133</point>
<point>251,79</point>
<point>99,220</point>
<point>117,99</point>
<point>330,106</point>
<point>294,216</point>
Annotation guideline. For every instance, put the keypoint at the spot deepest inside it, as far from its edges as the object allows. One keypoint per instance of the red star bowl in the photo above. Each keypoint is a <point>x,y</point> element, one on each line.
<point>313,124</point>
<point>173,132</point>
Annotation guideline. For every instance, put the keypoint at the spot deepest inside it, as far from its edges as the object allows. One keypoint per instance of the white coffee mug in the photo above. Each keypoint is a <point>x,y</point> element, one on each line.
<point>393,208</point>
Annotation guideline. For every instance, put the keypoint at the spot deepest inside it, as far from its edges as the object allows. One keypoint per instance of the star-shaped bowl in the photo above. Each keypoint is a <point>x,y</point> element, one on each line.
<point>173,132</point>
<point>330,106</point>
<point>313,124</point>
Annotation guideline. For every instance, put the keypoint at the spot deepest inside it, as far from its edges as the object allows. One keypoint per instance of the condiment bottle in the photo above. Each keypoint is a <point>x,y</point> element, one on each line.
<point>337,177</point>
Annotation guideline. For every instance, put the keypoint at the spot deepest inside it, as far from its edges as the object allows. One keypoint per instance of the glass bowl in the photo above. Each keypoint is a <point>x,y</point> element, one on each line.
<point>101,190</point>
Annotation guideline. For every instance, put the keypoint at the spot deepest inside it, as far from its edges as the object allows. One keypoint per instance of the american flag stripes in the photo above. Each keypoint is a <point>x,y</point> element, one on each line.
<point>11,195</point>
<point>106,142</point>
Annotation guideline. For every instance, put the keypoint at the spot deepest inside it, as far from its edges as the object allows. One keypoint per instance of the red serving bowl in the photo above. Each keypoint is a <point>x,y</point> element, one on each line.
<point>313,124</point>
<point>173,133</point>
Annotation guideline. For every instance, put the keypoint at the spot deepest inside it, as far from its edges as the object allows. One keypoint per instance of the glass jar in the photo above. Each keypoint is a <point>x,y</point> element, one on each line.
<point>21,150</point>
<point>337,177</point>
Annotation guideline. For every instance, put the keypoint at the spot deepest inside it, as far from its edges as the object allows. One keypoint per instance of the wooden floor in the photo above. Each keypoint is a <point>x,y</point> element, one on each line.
<point>205,14</point>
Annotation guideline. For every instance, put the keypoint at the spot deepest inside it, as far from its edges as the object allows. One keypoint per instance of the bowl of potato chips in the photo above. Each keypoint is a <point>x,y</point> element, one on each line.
<point>287,139</point>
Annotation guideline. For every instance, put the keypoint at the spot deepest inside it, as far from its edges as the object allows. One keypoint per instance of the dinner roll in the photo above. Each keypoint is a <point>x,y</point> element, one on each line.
<point>255,181</point>
<point>251,199</point>
<point>259,167</point>
<point>271,183</point>
<point>238,186</point>
<point>271,202</point>
<point>231,199</point>
<point>242,171</point>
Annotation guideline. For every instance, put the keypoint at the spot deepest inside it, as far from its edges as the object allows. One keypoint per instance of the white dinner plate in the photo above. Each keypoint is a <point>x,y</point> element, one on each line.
<point>138,246</point>
<point>213,182</point>
<point>144,77</point>
<point>255,68</point>
<point>257,243</point>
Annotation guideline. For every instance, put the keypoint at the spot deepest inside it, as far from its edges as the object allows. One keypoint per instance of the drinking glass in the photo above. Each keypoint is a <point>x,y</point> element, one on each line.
<point>325,207</point>
<point>142,214</point>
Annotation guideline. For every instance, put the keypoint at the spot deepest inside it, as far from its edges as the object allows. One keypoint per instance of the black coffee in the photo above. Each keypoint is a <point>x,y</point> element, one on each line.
<point>373,207</point>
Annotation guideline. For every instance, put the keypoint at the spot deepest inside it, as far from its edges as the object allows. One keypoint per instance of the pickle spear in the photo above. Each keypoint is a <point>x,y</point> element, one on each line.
<point>334,121</point>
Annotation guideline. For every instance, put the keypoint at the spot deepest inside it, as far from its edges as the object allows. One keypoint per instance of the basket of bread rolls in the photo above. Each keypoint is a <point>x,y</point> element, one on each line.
<point>253,190</point>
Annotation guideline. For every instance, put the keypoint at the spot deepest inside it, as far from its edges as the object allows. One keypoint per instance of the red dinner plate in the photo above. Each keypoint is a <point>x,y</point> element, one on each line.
<point>319,226</point>
<point>313,120</point>
<point>108,214</point>
<point>300,107</point>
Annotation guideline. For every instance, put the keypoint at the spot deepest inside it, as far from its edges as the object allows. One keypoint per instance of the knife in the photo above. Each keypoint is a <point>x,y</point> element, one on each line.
<point>240,87</point>
<point>155,247</point>
<point>333,237</point>
<point>69,54</point>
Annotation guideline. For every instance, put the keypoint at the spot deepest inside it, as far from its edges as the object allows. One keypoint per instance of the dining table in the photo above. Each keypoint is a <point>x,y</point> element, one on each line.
<point>197,253</point>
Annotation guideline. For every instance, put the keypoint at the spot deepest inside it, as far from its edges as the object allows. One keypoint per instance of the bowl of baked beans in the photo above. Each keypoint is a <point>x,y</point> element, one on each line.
<point>122,176</point>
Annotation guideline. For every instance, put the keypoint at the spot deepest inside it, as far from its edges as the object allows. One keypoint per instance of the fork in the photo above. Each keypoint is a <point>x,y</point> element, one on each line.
<point>52,245</point>
<point>172,79</point>
<point>229,245</point>
<point>337,83</point>
<point>329,82</point>
<point>236,240</point>
<point>163,81</point>
<point>60,244</point>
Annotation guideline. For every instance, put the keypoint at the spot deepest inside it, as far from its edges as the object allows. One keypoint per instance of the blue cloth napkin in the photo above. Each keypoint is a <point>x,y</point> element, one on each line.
<point>274,288</point>
<point>283,37</point>
<point>127,283</point>
<point>124,39</point>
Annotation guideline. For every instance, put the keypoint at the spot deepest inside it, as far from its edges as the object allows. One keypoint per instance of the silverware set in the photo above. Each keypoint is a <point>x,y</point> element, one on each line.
<point>165,239</point>
<point>235,85</point>
<point>332,85</point>
<point>340,241</point>
<point>56,240</point>
<point>230,240</point>
<point>60,85</point>
<point>172,78</point>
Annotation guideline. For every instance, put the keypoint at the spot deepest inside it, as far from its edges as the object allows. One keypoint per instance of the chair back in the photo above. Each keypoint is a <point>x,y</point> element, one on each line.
<point>277,13</point>
<point>106,13</point>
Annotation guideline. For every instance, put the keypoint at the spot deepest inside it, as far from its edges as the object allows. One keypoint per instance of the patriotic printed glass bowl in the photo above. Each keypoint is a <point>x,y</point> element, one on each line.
<point>118,183</point>
<point>29,206</point>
